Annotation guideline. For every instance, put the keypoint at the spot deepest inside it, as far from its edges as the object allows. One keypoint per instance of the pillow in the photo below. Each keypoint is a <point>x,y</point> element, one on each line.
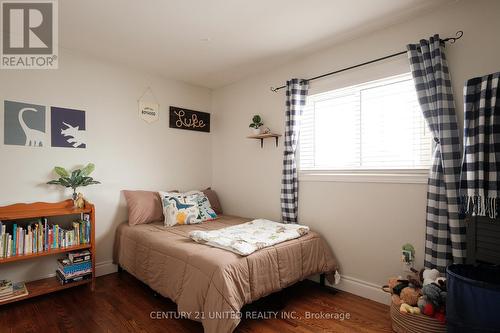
<point>206,211</point>
<point>213,199</point>
<point>179,208</point>
<point>143,207</point>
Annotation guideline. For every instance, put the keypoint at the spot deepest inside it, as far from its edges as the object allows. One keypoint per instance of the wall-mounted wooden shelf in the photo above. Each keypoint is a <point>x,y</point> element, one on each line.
<point>261,137</point>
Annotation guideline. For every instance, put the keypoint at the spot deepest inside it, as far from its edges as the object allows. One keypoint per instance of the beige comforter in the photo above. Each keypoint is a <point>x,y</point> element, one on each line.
<point>211,284</point>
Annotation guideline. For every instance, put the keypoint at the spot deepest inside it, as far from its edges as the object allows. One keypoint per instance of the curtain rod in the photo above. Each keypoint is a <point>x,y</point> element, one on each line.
<point>452,40</point>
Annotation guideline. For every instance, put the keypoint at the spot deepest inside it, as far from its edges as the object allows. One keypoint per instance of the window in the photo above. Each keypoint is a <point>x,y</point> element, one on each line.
<point>372,126</point>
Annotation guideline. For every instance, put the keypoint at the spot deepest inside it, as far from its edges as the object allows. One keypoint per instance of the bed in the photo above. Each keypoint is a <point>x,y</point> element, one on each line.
<point>209,284</point>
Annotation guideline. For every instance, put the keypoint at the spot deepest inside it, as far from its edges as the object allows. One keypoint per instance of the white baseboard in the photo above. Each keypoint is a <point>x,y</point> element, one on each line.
<point>105,268</point>
<point>361,288</point>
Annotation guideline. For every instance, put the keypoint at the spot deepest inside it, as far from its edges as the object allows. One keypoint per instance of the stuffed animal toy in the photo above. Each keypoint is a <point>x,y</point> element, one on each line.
<point>410,295</point>
<point>402,284</point>
<point>414,283</point>
<point>396,299</point>
<point>406,308</point>
<point>431,311</point>
<point>441,281</point>
<point>440,315</point>
<point>429,276</point>
<point>392,283</point>
<point>80,201</point>
<point>421,303</point>
<point>426,307</point>
<point>434,294</point>
<point>395,285</point>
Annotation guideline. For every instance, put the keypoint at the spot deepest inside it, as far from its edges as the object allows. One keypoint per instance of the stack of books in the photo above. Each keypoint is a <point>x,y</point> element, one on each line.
<point>5,287</point>
<point>9,290</point>
<point>77,266</point>
<point>39,236</point>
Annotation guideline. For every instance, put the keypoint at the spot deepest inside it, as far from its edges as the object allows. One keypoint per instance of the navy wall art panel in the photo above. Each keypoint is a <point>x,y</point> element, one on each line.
<point>68,128</point>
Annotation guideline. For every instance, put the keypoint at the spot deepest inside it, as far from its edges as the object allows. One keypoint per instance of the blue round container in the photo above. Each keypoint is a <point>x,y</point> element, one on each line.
<point>473,299</point>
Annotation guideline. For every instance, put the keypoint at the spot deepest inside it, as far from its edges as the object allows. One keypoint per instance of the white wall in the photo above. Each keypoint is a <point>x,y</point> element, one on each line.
<point>365,223</point>
<point>128,153</point>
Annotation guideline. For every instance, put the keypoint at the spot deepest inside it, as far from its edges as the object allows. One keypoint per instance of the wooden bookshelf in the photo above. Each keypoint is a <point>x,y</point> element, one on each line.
<point>19,211</point>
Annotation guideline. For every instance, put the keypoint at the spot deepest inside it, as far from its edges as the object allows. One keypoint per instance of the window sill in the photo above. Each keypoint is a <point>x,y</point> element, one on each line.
<point>419,176</point>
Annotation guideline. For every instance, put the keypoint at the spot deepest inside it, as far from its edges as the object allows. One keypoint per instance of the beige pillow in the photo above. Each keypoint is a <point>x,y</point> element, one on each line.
<point>143,207</point>
<point>214,200</point>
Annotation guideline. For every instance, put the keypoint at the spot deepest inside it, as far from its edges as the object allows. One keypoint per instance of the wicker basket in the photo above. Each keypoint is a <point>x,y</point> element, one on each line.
<point>414,323</point>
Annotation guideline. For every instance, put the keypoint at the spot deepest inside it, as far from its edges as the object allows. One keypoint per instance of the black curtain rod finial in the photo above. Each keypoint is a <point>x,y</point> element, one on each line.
<point>452,40</point>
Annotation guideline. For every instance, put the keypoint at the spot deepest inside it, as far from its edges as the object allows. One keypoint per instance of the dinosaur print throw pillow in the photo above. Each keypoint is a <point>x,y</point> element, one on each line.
<point>206,211</point>
<point>179,209</point>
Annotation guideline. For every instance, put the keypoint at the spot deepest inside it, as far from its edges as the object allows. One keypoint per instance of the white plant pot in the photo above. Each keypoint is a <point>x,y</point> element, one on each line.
<point>256,131</point>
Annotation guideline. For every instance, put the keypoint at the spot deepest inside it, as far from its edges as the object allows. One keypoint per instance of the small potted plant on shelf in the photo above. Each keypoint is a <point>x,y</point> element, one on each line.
<point>256,124</point>
<point>77,178</point>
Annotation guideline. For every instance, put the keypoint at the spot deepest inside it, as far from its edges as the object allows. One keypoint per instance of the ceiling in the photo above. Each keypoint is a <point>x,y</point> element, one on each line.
<point>212,43</point>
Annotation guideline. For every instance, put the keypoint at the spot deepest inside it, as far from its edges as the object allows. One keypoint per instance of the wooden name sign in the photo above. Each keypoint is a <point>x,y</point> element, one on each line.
<point>189,119</point>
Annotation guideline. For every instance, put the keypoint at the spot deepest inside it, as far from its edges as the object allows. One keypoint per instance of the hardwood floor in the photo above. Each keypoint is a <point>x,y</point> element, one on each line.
<point>121,303</point>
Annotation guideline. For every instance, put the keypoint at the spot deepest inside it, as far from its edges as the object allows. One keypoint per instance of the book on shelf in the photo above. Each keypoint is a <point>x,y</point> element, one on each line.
<point>5,284</point>
<point>64,280</point>
<point>40,236</point>
<point>80,256</point>
<point>18,290</point>
<point>6,287</point>
<point>69,269</point>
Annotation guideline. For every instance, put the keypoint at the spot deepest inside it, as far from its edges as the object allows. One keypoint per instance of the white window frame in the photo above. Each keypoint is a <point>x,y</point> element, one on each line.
<point>401,176</point>
<point>371,175</point>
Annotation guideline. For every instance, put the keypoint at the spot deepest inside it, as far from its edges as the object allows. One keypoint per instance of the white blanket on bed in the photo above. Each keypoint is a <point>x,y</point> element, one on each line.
<point>246,238</point>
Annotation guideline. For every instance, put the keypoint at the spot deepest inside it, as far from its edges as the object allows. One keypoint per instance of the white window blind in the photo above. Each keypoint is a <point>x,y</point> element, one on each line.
<point>376,125</point>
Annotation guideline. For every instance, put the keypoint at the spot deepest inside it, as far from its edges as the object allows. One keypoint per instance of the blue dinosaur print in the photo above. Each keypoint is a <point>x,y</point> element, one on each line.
<point>179,204</point>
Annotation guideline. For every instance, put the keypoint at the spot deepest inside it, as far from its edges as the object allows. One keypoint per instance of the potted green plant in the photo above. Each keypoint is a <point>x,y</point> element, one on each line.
<point>256,124</point>
<point>77,178</point>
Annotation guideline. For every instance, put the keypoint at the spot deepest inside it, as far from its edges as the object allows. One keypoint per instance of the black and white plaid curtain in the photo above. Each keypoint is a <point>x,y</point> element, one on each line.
<point>296,93</point>
<point>480,181</point>
<point>445,231</point>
